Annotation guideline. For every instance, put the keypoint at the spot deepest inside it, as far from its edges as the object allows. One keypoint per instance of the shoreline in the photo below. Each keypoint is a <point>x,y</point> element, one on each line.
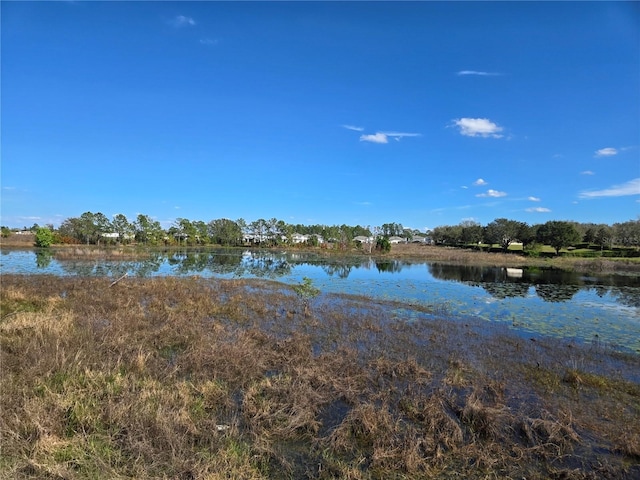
<point>429,253</point>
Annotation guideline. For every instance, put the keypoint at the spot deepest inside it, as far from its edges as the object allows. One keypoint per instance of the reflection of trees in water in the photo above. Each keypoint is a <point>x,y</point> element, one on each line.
<point>467,273</point>
<point>339,270</point>
<point>556,293</point>
<point>627,296</point>
<point>390,266</point>
<point>148,266</point>
<point>43,257</point>
<point>263,266</point>
<point>190,262</point>
<point>81,268</point>
<point>551,286</point>
<point>507,289</point>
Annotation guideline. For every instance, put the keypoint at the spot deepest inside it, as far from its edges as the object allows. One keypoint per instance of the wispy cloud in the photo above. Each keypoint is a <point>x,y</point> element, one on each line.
<point>476,72</point>
<point>209,41</point>
<point>478,127</point>
<point>383,137</point>
<point>480,182</point>
<point>399,135</point>
<point>538,210</point>
<point>363,204</point>
<point>354,128</point>
<point>492,193</point>
<point>606,152</point>
<point>182,21</point>
<point>632,187</point>
<point>587,172</point>
<point>533,199</point>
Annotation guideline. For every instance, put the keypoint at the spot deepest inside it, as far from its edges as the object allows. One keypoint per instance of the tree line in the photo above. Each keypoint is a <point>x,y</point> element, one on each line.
<point>97,228</point>
<point>557,234</point>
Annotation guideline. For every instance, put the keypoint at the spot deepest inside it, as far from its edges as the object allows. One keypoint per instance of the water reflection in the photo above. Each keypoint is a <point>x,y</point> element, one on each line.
<point>549,285</point>
<point>500,283</point>
<point>557,292</point>
<point>43,257</point>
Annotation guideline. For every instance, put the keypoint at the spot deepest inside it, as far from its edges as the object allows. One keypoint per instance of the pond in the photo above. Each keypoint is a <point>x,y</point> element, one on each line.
<point>576,307</point>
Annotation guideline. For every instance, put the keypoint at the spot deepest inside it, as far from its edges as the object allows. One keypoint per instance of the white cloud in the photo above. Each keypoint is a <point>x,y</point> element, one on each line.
<point>354,128</point>
<point>383,137</point>
<point>480,182</point>
<point>606,152</point>
<point>533,199</point>
<point>376,138</point>
<point>478,127</point>
<point>492,193</point>
<point>538,210</point>
<point>182,21</point>
<point>632,187</point>
<point>208,41</point>
<point>475,72</point>
<point>587,172</point>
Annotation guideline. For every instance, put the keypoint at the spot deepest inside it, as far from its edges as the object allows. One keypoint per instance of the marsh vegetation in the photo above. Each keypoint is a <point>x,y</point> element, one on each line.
<point>210,379</point>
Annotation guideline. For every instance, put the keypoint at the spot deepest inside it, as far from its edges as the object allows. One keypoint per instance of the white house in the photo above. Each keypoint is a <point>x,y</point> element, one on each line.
<point>395,239</point>
<point>363,239</point>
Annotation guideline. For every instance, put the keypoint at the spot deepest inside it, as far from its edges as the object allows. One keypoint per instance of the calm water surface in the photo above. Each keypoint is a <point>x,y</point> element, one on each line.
<point>603,309</point>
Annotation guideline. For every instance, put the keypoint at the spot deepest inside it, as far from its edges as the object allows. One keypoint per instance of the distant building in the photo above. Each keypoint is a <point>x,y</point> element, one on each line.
<point>394,240</point>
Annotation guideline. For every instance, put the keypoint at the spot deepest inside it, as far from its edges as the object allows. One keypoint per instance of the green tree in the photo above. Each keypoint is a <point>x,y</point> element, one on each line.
<point>123,228</point>
<point>184,231</point>
<point>102,225</point>
<point>590,234</point>
<point>604,237</point>
<point>70,229</point>
<point>44,237</point>
<point>627,233</point>
<point>147,230</point>
<point>383,244</point>
<point>392,229</point>
<point>447,235</point>
<point>201,232</point>
<point>225,232</point>
<point>306,291</point>
<point>86,227</point>
<point>6,231</point>
<point>471,232</point>
<point>503,232</point>
<point>259,229</point>
<point>558,234</point>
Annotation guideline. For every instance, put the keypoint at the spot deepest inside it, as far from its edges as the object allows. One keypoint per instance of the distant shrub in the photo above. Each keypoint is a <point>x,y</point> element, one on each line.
<point>383,244</point>
<point>44,237</point>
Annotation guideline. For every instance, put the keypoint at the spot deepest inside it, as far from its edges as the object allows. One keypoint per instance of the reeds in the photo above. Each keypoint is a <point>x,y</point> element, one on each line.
<point>211,379</point>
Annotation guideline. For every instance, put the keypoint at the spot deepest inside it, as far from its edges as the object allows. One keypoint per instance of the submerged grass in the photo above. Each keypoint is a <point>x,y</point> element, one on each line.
<point>211,379</point>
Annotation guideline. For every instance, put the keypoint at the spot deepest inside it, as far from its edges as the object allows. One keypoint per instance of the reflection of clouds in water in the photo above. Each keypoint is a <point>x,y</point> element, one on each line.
<point>614,307</point>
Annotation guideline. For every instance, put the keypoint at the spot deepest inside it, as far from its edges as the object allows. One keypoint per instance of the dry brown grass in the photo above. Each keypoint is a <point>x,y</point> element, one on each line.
<point>454,255</point>
<point>210,379</point>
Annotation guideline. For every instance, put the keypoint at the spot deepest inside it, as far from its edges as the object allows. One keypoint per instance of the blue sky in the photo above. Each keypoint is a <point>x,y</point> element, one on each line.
<point>420,113</point>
